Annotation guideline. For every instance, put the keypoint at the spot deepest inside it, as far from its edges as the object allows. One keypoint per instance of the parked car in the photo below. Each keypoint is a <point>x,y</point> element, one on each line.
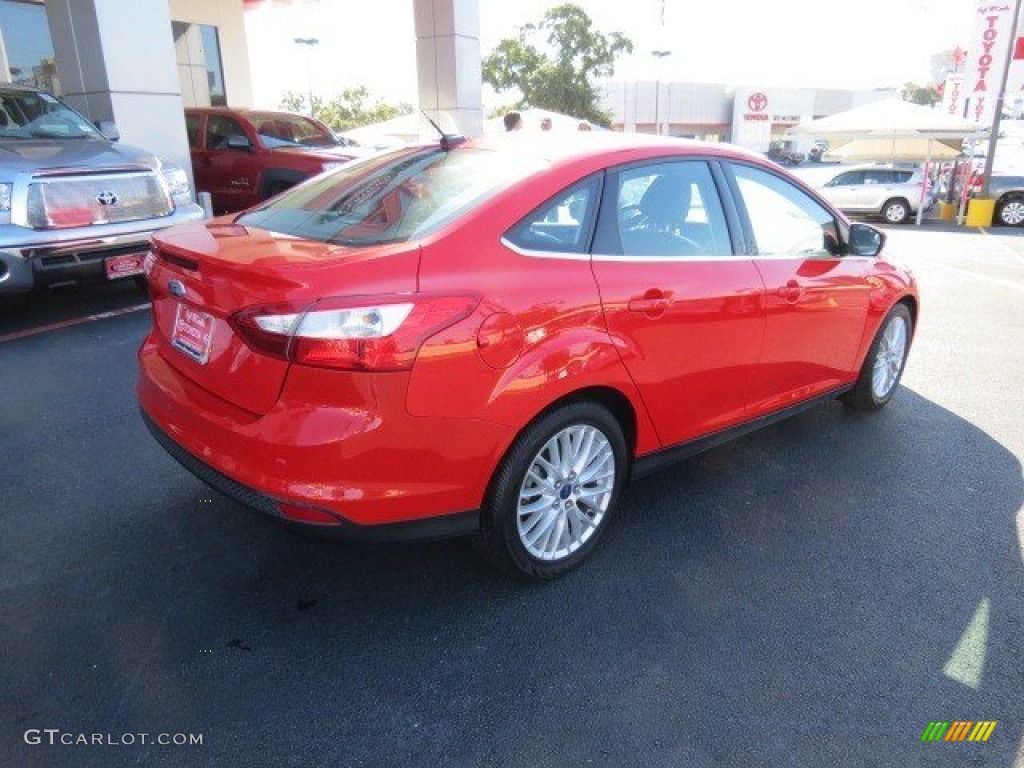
<point>244,156</point>
<point>75,206</point>
<point>783,153</point>
<point>1008,192</point>
<point>493,337</point>
<point>891,192</point>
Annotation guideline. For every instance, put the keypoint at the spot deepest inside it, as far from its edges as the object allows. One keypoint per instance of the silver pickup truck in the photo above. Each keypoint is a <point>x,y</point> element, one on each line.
<point>74,205</point>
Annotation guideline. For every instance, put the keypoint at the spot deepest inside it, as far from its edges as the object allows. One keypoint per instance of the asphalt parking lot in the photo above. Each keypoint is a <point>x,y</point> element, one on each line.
<point>811,595</point>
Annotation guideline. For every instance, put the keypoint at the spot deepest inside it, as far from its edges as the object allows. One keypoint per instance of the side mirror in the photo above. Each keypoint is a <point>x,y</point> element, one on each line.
<point>865,240</point>
<point>237,141</point>
<point>108,130</point>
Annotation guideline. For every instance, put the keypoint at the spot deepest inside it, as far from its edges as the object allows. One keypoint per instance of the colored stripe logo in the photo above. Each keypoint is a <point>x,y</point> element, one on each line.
<point>959,730</point>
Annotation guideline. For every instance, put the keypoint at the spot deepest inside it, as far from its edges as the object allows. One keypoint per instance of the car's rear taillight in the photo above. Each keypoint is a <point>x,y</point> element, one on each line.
<point>368,333</point>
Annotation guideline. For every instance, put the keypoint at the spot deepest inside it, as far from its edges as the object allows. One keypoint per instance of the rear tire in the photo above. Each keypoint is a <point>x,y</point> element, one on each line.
<point>883,365</point>
<point>1010,212</point>
<point>896,211</point>
<point>553,494</point>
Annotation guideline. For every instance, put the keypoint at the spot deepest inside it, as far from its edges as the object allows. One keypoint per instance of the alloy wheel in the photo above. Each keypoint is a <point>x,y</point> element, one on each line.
<point>1011,213</point>
<point>566,492</point>
<point>889,358</point>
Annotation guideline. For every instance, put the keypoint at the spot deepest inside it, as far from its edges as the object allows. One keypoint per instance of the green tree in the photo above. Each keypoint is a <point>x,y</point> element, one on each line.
<point>553,63</point>
<point>921,94</point>
<point>353,108</point>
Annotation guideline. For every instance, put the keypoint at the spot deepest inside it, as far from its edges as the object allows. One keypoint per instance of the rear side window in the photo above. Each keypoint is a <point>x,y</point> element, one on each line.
<point>393,197</point>
<point>562,224</point>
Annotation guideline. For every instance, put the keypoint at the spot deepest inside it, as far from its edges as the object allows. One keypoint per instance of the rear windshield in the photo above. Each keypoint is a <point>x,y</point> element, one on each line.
<point>389,198</point>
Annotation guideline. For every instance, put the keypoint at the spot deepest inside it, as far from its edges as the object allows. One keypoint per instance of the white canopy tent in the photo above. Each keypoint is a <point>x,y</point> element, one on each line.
<point>891,129</point>
<point>895,150</point>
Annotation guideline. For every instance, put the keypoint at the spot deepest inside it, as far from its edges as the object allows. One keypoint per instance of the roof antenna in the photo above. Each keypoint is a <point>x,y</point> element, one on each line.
<point>448,140</point>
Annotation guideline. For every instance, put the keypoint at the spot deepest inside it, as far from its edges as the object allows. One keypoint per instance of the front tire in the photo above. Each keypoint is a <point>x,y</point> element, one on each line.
<point>883,366</point>
<point>896,211</point>
<point>552,495</point>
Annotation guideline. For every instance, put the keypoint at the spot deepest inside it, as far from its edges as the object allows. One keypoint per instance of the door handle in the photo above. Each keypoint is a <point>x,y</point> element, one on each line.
<point>791,291</point>
<point>653,303</point>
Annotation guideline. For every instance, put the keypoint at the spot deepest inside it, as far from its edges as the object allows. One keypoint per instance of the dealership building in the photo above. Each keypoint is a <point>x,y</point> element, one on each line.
<point>751,116</point>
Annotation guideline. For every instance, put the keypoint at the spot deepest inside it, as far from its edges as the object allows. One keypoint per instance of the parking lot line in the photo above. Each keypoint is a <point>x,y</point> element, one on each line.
<point>976,276</point>
<point>73,321</point>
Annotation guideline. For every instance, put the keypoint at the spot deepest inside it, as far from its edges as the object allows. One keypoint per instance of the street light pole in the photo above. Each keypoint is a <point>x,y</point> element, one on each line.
<point>310,43</point>
<point>659,55</point>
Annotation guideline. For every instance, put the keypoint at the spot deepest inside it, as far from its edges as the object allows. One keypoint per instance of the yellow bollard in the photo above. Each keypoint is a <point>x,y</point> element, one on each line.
<point>947,211</point>
<point>980,211</point>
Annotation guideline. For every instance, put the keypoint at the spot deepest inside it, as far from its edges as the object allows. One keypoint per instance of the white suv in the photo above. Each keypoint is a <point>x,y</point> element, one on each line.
<point>889,191</point>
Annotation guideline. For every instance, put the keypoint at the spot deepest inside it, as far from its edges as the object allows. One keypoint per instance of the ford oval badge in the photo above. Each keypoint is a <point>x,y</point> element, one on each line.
<point>176,287</point>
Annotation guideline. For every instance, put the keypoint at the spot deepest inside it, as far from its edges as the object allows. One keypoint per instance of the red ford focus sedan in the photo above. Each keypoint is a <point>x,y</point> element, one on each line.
<point>492,337</point>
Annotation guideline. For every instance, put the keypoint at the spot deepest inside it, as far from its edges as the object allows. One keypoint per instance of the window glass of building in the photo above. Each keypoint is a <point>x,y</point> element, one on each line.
<point>25,36</point>
<point>197,50</point>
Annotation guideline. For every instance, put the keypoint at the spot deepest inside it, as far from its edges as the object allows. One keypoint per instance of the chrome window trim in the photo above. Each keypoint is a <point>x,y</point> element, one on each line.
<point>571,255</point>
<point>656,259</point>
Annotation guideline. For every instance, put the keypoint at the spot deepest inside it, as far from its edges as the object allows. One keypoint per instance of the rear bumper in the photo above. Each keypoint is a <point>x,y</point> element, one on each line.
<point>338,444</point>
<point>442,527</point>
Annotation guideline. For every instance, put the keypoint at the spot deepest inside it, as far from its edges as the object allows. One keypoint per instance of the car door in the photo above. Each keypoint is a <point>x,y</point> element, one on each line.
<point>816,300</point>
<point>231,168</point>
<point>876,189</point>
<point>684,310</point>
<point>844,189</point>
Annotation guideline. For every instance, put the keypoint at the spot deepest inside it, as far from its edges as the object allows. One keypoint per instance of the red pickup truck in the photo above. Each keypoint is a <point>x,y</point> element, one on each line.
<point>243,156</point>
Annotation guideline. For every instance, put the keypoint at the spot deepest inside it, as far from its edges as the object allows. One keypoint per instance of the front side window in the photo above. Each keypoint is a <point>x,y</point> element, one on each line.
<point>392,197</point>
<point>784,219</point>
<point>665,209</point>
<point>220,128</point>
<point>850,178</point>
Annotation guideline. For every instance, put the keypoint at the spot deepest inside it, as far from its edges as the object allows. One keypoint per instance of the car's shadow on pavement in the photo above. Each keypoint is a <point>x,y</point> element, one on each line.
<point>792,598</point>
<point>23,312</point>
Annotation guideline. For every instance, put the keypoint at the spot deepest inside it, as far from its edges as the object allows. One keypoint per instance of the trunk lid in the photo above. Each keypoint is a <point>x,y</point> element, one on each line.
<point>204,274</point>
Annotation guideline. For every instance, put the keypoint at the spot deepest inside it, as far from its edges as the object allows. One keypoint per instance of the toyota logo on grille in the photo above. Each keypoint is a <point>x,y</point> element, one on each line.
<point>106,198</point>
